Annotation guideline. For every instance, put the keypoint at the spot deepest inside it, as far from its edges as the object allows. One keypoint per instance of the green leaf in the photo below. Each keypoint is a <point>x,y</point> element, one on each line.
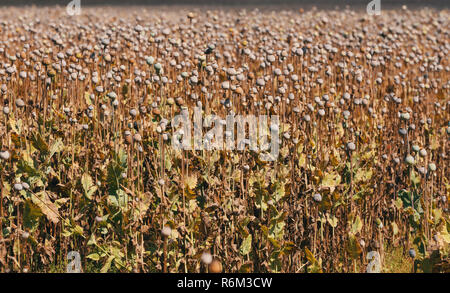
<point>415,178</point>
<point>87,98</point>
<point>28,168</point>
<point>406,197</point>
<point>310,256</point>
<point>78,231</point>
<point>363,175</point>
<point>394,228</point>
<point>445,234</point>
<point>40,144</point>
<point>332,221</point>
<point>357,225</point>
<point>279,191</point>
<point>107,264</point>
<point>331,180</point>
<point>276,229</point>
<point>92,240</point>
<point>353,247</point>
<point>93,256</point>
<point>119,199</point>
<point>88,185</point>
<point>246,245</point>
<point>31,215</point>
<point>56,147</point>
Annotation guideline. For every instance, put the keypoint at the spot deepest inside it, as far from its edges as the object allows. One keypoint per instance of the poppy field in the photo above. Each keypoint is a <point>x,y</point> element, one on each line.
<point>87,162</point>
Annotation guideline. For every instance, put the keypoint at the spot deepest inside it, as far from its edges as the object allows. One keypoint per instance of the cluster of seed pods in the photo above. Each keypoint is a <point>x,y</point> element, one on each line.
<point>87,104</point>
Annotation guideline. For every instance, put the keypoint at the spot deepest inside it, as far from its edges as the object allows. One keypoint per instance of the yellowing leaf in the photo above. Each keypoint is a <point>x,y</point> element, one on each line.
<point>310,256</point>
<point>48,208</point>
<point>40,144</point>
<point>191,182</point>
<point>394,228</point>
<point>444,234</point>
<point>332,221</point>
<point>301,160</point>
<point>246,245</point>
<point>353,247</point>
<point>93,256</point>
<point>357,225</point>
<point>331,180</point>
<point>88,186</point>
<point>363,175</point>
<point>107,264</point>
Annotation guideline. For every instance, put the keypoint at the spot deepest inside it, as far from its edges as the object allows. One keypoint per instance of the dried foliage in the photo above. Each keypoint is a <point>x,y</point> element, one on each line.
<point>87,163</point>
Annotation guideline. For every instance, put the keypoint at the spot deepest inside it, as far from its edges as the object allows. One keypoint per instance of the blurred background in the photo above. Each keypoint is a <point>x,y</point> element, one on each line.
<point>356,4</point>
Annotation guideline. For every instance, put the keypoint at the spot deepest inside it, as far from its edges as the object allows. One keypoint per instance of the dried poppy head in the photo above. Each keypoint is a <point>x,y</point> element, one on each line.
<point>207,258</point>
<point>166,231</point>
<point>5,155</point>
<point>351,146</point>
<point>409,160</point>
<point>215,267</point>
<point>317,197</point>
<point>20,103</point>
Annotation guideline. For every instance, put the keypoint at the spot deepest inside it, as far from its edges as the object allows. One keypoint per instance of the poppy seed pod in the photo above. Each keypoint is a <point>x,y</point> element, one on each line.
<point>402,131</point>
<point>166,231</point>
<point>351,146</point>
<point>193,80</point>
<point>423,153</point>
<point>137,137</point>
<point>215,267</point>
<point>157,67</point>
<point>112,95</point>
<point>150,60</point>
<point>133,112</point>
<point>409,160</point>
<point>207,258</point>
<point>405,116</point>
<point>5,155</point>
<point>18,187</point>
<point>260,82</point>
<point>432,167</point>
<point>317,197</point>
<point>20,103</point>
<point>25,235</point>
<point>128,137</point>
